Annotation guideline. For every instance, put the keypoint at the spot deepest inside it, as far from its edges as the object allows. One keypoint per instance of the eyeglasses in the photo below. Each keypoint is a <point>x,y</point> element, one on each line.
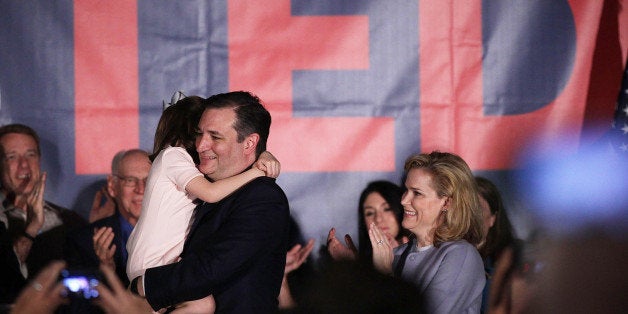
<point>131,181</point>
<point>178,95</point>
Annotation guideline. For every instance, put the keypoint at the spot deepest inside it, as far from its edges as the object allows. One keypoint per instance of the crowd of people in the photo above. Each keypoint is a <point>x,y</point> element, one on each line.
<point>199,225</point>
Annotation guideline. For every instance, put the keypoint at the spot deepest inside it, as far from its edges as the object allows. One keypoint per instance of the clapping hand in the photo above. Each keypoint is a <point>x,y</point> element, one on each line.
<point>339,251</point>
<point>35,206</point>
<point>103,247</point>
<point>294,259</point>
<point>382,250</point>
<point>297,255</point>
<point>107,208</point>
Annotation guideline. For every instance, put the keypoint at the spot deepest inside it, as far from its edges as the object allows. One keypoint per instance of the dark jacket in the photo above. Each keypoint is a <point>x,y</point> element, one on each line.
<point>48,246</point>
<point>235,250</point>
<point>79,246</point>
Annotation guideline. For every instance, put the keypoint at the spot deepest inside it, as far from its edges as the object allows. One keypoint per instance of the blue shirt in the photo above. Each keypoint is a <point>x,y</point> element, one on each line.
<point>125,229</point>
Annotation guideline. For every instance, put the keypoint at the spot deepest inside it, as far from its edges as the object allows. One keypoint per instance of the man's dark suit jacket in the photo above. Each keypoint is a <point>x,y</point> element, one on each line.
<point>79,247</point>
<point>235,250</point>
<point>48,246</point>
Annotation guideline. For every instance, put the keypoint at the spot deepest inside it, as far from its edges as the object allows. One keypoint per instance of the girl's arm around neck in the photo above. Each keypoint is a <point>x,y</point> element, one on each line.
<point>213,192</point>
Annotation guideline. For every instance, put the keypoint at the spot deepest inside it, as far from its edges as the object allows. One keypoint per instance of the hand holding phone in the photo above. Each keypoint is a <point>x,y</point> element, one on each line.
<point>81,283</point>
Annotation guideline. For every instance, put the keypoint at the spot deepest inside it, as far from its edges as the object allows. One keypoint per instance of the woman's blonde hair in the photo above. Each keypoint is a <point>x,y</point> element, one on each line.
<point>452,178</point>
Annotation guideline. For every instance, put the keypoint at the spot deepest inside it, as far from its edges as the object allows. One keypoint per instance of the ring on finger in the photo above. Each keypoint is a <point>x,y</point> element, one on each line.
<point>37,286</point>
<point>380,242</point>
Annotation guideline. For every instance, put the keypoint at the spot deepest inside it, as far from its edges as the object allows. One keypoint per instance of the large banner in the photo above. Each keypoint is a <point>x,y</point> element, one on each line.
<point>354,87</point>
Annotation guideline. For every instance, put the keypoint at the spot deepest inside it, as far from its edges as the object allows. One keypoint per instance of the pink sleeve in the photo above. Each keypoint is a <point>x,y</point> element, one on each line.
<point>180,167</point>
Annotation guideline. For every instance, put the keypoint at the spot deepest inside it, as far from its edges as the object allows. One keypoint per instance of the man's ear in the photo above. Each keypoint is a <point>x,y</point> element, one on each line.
<point>110,185</point>
<point>250,143</point>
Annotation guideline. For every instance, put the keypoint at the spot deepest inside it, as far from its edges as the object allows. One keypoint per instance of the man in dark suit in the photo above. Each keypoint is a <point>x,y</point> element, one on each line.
<point>104,241</point>
<point>236,248</point>
<point>34,229</point>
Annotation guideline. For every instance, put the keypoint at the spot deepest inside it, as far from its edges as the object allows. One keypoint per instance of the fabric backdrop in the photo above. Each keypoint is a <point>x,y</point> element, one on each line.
<point>354,87</point>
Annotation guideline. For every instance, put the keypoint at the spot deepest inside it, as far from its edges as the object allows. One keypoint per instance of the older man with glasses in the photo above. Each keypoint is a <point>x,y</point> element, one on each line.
<point>104,240</point>
<point>32,230</point>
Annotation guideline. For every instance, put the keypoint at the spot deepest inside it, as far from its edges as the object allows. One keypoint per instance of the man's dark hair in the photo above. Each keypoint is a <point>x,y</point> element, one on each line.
<point>251,116</point>
<point>19,129</point>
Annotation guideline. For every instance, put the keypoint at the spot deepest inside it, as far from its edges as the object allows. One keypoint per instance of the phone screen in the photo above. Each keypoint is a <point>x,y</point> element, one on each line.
<point>80,284</point>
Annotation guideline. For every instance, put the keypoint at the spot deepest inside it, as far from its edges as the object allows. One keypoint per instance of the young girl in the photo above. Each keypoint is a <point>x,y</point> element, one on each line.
<point>173,184</point>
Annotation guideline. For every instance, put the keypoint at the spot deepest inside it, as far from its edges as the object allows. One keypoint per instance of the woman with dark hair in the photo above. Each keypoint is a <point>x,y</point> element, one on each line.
<point>498,233</point>
<point>380,203</point>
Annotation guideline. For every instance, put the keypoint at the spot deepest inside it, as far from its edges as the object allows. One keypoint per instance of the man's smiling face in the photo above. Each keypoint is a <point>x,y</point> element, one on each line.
<point>221,155</point>
<point>20,162</point>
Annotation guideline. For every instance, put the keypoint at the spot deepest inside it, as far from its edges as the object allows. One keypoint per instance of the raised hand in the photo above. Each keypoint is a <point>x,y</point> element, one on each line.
<point>107,208</point>
<point>43,294</point>
<point>117,299</point>
<point>294,259</point>
<point>34,203</point>
<point>339,251</point>
<point>103,247</point>
<point>382,250</point>
<point>297,255</point>
<point>35,206</point>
